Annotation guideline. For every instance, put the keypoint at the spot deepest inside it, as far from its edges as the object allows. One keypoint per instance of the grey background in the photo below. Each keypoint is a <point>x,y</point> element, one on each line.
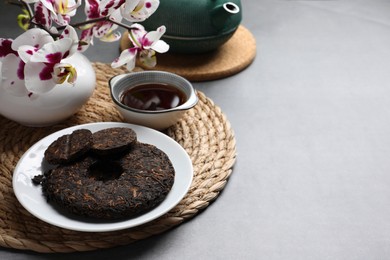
<point>311,117</point>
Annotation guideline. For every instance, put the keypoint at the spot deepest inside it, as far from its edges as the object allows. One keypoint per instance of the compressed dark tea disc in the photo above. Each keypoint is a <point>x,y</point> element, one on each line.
<point>69,148</point>
<point>112,141</point>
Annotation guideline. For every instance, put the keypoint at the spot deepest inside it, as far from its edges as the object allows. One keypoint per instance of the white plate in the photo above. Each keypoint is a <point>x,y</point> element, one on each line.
<point>32,199</point>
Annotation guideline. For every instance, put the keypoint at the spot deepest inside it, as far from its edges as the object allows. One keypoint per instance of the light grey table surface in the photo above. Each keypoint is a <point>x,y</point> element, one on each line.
<point>311,117</point>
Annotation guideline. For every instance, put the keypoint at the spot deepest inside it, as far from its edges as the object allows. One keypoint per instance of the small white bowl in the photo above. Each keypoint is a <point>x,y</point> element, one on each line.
<point>157,119</point>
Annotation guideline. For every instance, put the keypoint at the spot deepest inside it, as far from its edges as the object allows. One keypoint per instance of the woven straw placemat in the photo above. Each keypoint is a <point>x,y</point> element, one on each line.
<point>229,59</point>
<point>204,132</point>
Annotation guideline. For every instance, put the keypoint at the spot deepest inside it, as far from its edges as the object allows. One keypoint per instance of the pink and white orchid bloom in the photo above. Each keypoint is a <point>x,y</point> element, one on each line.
<point>146,44</point>
<point>138,10</point>
<point>12,71</point>
<point>103,30</point>
<point>45,68</point>
<point>70,32</point>
<point>59,11</point>
<point>35,62</point>
<point>32,63</point>
<point>30,41</point>
<point>42,16</point>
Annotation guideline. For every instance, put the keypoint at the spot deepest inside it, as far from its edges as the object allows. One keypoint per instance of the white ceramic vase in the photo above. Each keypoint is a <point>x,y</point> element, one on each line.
<point>56,105</point>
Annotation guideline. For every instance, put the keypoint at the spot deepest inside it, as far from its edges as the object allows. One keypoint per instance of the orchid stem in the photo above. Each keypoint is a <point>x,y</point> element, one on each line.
<point>84,23</point>
<point>101,19</point>
<point>127,27</point>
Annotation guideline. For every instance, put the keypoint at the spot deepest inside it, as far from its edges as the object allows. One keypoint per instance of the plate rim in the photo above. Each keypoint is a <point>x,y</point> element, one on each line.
<point>107,226</point>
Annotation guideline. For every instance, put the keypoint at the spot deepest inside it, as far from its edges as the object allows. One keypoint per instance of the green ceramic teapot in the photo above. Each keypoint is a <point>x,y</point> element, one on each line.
<point>196,26</point>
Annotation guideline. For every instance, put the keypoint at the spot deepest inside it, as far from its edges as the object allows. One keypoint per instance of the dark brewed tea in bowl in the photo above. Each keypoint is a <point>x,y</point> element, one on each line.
<point>155,99</point>
<point>153,96</point>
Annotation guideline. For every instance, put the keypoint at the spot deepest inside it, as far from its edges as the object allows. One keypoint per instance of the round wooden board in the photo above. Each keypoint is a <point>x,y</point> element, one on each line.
<point>229,59</point>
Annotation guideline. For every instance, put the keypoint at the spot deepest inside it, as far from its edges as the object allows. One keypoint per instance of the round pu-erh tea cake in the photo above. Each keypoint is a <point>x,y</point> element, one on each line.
<point>111,187</point>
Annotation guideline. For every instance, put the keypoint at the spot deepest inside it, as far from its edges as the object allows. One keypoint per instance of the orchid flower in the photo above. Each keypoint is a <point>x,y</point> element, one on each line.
<point>70,32</point>
<point>146,44</point>
<point>45,68</point>
<point>138,10</point>
<point>42,16</point>
<point>103,30</point>
<point>12,71</point>
<point>59,11</point>
<point>32,63</point>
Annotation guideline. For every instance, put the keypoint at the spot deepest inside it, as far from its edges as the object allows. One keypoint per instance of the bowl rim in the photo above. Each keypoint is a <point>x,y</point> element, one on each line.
<point>191,101</point>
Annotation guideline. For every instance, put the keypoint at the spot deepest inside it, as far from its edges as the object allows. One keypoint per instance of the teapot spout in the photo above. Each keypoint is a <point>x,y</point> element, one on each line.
<point>221,13</point>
